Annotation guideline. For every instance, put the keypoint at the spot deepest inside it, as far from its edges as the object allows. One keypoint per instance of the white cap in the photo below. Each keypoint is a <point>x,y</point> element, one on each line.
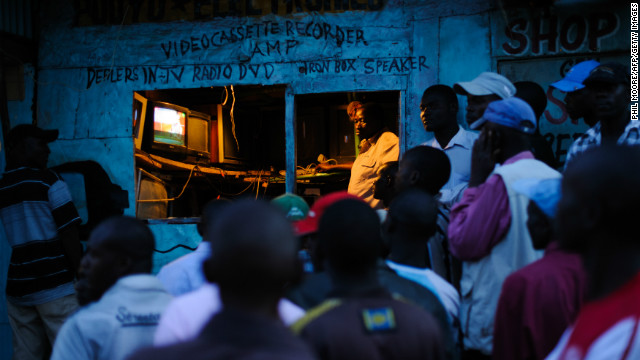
<point>486,83</point>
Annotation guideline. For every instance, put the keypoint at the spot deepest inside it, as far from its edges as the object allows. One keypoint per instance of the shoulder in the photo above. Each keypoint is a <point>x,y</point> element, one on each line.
<point>388,137</point>
<point>314,314</point>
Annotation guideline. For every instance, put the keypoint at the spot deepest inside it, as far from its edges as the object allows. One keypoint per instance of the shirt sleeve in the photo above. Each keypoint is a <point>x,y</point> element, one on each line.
<point>480,220</point>
<point>169,328</point>
<point>390,150</point>
<point>62,207</point>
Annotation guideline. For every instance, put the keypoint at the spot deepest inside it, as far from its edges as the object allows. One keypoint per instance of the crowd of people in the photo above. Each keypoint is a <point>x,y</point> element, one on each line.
<point>475,245</point>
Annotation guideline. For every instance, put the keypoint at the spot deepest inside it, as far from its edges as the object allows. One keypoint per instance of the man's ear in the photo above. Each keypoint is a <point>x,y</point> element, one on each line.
<point>123,265</point>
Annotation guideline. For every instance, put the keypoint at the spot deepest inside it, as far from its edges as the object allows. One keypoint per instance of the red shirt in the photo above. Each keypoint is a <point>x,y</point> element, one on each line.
<point>537,304</point>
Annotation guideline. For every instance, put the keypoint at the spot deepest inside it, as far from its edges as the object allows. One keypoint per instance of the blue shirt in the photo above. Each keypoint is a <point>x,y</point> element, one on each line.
<point>185,274</point>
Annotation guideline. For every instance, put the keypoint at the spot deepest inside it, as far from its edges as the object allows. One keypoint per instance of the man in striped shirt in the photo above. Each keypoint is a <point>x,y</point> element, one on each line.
<point>40,223</point>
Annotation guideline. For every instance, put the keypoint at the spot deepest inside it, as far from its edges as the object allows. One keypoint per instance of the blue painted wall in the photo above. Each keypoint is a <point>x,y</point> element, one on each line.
<point>87,74</point>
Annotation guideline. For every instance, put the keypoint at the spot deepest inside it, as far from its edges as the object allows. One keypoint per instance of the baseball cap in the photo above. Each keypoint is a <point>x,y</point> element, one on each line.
<point>309,224</point>
<point>613,73</point>
<point>486,83</point>
<point>545,193</point>
<point>512,112</point>
<point>294,207</point>
<point>20,132</point>
<point>575,77</point>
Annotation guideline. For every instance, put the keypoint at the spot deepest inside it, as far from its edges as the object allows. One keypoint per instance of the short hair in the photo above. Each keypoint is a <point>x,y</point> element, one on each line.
<point>444,91</point>
<point>255,250</point>
<point>349,237</point>
<point>211,212</point>
<point>416,211</point>
<point>533,94</point>
<point>600,195</point>
<point>432,164</point>
<point>130,237</point>
<point>352,107</point>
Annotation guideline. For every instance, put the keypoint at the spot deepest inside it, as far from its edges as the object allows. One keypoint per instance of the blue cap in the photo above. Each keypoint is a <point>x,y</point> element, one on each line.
<point>545,193</point>
<point>512,112</point>
<point>574,79</point>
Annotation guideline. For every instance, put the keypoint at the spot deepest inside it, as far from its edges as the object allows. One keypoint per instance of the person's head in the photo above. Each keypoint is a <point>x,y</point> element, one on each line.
<point>349,237</point>
<point>543,195</point>
<point>412,218</point>
<point>351,109</point>
<point>117,247</point>
<point>27,145</point>
<point>533,94</point>
<point>508,124</point>
<point>423,167</point>
<point>254,255</point>
<point>482,91</point>
<point>308,227</point>
<point>384,186</point>
<point>577,99</point>
<point>210,213</point>
<point>368,120</point>
<point>600,196</point>
<point>438,108</point>
<point>609,85</point>
<point>293,206</point>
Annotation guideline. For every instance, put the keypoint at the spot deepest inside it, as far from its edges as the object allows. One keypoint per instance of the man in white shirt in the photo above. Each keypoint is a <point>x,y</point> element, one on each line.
<point>438,111</point>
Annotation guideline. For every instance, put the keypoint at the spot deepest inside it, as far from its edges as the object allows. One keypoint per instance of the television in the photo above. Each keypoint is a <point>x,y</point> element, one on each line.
<point>234,134</point>
<point>169,128</point>
<point>139,116</point>
<point>198,137</point>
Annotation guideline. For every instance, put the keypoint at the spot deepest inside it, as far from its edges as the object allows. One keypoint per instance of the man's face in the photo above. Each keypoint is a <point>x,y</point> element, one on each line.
<point>402,179</point>
<point>365,126</point>
<point>609,100</point>
<point>97,270</point>
<point>383,186</point>
<point>435,113</point>
<point>571,224</point>
<point>476,105</point>
<point>579,103</point>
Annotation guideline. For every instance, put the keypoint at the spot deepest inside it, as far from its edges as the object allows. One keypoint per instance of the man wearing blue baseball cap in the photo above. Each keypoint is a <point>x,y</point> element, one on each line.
<point>577,100</point>
<point>539,301</point>
<point>488,230</point>
<point>609,85</point>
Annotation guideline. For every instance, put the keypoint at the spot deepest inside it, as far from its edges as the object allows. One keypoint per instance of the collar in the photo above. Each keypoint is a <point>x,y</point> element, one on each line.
<point>461,138</point>
<point>136,282</point>
<point>365,144</point>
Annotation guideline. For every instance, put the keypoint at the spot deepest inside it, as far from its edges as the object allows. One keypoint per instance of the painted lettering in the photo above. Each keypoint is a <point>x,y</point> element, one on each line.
<point>549,34</point>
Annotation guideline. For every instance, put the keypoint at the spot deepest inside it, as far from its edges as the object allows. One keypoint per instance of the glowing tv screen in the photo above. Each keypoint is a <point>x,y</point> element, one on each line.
<point>169,126</point>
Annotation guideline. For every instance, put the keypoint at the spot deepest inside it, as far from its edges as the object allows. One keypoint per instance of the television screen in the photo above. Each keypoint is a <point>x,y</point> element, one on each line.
<point>169,126</point>
<point>198,133</point>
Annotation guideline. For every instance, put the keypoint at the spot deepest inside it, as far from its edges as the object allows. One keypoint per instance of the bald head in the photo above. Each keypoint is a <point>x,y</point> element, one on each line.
<point>255,250</point>
<point>423,167</point>
<point>117,247</point>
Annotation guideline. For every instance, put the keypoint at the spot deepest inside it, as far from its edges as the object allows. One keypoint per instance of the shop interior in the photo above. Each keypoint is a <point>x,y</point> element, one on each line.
<point>194,145</point>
